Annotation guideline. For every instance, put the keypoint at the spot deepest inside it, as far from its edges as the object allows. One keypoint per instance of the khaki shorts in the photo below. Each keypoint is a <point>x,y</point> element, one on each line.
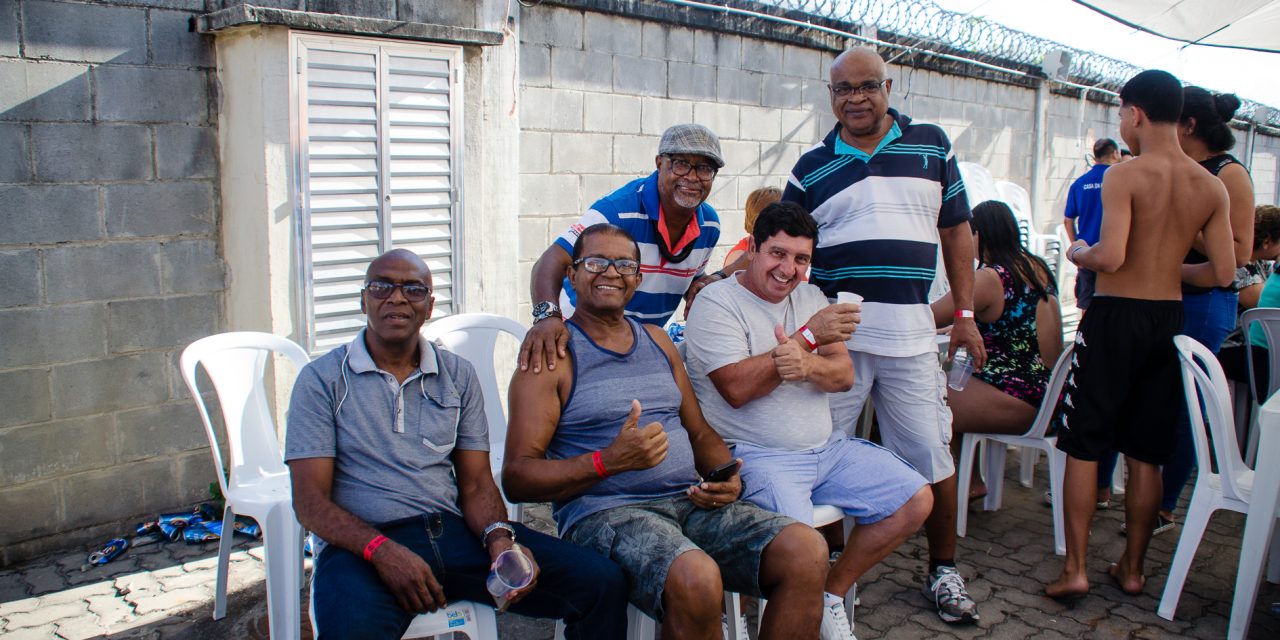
<point>910,397</point>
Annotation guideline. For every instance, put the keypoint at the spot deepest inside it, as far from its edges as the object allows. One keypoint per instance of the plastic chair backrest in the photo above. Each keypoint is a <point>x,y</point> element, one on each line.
<point>1016,199</point>
<point>978,183</point>
<point>236,363</point>
<point>1270,321</point>
<point>1204,382</point>
<point>1052,393</point>
<point>473,336</point>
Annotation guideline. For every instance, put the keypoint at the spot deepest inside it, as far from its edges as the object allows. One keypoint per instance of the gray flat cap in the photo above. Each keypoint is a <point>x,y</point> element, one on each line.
<point>693,139</point>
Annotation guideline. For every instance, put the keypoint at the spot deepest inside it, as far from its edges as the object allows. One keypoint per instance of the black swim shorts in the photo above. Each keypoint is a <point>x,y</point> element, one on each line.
<point>1124,391</point>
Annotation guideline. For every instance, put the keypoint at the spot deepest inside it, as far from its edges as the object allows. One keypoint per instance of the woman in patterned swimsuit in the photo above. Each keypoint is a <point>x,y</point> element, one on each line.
<point>1015,301</point>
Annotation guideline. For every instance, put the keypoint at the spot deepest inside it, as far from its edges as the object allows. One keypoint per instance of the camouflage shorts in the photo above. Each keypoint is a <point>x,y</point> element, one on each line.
<point>646,538</point>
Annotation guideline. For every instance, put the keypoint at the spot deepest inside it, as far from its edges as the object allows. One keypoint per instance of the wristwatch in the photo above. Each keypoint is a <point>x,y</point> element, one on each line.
<point>544,310</point>
<point>497,526</point>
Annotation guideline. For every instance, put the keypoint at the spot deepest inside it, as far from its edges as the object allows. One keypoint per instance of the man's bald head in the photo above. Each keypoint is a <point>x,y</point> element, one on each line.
<point>860,96</point>
<point>864,58</point>
<point>400,256</point>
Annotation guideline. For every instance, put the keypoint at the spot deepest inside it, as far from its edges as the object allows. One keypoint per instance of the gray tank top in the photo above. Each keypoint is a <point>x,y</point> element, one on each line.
<point>604,383</point>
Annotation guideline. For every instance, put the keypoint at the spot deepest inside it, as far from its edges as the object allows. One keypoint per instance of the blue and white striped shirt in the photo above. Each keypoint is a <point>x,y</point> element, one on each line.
<point>634,207</point>
<point>878,218</point>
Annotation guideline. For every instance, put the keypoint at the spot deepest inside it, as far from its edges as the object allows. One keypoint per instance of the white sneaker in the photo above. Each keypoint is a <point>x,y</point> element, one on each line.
<point>835,623</point>
<point>741,628</point>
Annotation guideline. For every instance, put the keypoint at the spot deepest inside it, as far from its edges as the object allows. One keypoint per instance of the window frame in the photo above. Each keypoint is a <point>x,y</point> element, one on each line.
<point>300,43</point>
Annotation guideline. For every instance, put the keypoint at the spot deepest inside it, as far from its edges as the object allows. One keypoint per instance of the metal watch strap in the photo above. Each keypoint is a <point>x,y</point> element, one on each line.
<point>499,525</point>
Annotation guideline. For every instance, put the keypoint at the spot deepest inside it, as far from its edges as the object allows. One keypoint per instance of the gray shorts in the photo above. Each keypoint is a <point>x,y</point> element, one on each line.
<point>646,538</point>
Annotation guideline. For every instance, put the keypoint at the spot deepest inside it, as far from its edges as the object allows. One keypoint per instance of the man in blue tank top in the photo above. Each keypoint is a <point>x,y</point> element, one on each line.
<point>615,440</point>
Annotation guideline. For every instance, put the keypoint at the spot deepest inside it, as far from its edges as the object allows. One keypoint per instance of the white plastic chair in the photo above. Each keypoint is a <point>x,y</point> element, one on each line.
<point>258,483</point>
<point>978,182</point>
<point>1034,438</point>
<point>1017,198</point>
<point>1269,319</point>
<point>1229,487</point>
<point>476,620</point>
<point>823,515</point>
<point>474,336</point>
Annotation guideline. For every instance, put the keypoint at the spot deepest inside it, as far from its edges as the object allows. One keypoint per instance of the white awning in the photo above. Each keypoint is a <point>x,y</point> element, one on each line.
<point>1239,24</point>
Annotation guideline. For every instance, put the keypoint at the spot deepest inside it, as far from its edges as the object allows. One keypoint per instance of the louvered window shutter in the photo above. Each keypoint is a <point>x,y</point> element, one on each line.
<point>379,169</point>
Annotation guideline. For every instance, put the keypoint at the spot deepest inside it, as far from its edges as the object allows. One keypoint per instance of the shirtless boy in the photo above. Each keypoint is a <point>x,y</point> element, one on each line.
<point>1123,389</point>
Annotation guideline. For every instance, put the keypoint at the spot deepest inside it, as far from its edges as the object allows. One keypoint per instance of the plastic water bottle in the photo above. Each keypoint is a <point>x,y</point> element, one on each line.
<point>961,369</point>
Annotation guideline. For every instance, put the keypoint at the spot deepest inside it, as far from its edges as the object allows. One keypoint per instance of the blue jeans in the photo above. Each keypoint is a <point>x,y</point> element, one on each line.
<point>1209,318</point>
<point>584,589</point>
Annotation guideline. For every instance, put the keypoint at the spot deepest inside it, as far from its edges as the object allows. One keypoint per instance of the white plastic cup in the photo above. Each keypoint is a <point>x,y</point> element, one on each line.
<point>848,297</point>
<point>511,571</point>
<point>961,369</point>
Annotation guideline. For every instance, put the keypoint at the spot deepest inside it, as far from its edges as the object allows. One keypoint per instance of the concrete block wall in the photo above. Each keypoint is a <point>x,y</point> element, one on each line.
<point>109,250</point>
<point>598,90</point>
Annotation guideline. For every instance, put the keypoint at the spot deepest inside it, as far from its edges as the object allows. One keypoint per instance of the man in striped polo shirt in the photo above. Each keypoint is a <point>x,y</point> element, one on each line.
<point>669,218</point>
<point>886,193</point>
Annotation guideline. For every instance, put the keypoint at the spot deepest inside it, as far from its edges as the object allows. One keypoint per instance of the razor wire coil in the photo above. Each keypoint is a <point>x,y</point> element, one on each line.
<point>926,23</point>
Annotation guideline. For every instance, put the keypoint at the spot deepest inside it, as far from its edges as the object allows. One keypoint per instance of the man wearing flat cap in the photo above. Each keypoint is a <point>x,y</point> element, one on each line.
<point>669,218</point>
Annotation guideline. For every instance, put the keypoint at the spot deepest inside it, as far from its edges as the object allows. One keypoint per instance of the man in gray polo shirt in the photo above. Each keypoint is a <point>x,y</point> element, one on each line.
<point>387,444</point>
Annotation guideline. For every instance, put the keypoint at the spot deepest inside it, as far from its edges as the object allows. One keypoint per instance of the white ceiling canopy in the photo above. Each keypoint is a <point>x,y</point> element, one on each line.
<point>1237,24</point>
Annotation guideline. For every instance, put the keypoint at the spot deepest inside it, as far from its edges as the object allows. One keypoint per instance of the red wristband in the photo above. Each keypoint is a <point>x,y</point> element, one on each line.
<point>964,313</point>
<point>373,546</point>
<point>599,465</point>
<point>807,336</point>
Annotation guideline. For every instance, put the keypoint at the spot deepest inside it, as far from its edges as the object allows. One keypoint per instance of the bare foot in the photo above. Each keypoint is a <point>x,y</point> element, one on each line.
<point>978,491</point>
<point>1067,587</point>
<point>1129,584</point>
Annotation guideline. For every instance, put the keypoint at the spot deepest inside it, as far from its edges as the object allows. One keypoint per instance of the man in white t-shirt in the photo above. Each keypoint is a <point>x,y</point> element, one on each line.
<point>764,351</point>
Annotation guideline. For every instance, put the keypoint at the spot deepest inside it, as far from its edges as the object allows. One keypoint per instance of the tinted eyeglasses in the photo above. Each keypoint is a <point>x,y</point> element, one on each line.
<point>413,292</point>
<point>866,89</point>
<point>596,264</point>
<point>682,168</point>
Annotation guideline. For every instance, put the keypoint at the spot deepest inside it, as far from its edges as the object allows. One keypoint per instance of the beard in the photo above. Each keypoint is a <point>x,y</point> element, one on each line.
<point>686,201</point>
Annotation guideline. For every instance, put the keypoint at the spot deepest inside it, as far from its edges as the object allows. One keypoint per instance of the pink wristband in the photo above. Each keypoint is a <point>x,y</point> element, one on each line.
<point>599,465</point>
<point>373,546</point>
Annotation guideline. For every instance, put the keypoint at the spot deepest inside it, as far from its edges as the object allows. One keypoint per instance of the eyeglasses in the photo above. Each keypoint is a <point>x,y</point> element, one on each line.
<point>865,90</point>
<point>413,292</point>
<point>600,265</point>
<point>682,168</point>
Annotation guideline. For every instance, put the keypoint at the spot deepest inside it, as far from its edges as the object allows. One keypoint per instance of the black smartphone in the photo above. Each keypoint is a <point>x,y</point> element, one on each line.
<point>723,472</point>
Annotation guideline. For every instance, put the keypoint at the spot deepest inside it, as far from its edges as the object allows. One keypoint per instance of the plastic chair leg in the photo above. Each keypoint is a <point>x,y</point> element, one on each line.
<point>486,624</point>
<point>224,564</point>
<point>282,554</point>
<point>733,611</point>
<point>1192,529</point>
<point>1030,456</point>
<point>1273,563</point>
<point>994,468</point>
<point>968,445</point>
<point>1118,478</point>
<point>639,625</point>
<point>1251,451</point>
<point>1057,479</point>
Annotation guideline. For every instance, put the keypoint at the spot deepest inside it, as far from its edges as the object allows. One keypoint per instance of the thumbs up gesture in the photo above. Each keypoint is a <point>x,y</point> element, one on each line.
<point>789,359</point>
<point>635,447</point>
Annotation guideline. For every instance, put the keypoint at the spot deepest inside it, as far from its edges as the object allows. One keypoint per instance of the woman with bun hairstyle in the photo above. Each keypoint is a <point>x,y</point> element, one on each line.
<point>1205,134</point>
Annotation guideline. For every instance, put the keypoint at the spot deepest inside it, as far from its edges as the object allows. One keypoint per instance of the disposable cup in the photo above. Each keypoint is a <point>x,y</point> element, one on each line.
<point>511,571</point>
<point>961,369</point>
<point>848,297</point>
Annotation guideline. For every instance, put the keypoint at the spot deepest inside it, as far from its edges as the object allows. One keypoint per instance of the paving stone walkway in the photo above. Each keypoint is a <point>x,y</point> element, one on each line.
<point>166,591</point>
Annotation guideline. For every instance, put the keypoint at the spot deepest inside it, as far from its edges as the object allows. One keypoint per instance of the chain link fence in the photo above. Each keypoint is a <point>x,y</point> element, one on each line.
<point>921,23</point>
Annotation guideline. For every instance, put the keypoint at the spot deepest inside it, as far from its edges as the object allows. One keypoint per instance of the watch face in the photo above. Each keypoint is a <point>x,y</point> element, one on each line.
<point>544,309</point>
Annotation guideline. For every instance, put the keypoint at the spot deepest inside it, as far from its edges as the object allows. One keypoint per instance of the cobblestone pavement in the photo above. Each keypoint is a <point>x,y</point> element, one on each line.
<point>166,591</point>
